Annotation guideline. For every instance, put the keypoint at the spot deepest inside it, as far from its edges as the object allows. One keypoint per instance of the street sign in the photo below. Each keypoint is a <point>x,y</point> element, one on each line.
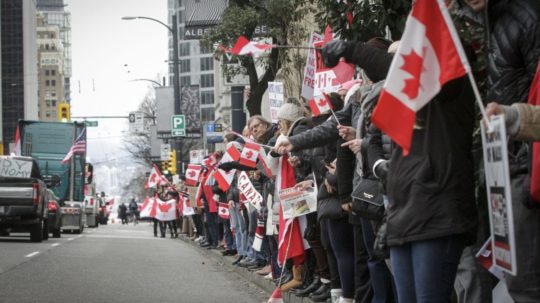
<point>136,122</point>
<point>178,126</point>
<point>214,133</point>
<point>165,152</point>
<point>91,123</point>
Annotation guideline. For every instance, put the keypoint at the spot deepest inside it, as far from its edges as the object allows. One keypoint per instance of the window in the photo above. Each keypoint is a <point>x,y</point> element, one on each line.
<point>207,114</point>
<point>206,49</point>
<point>207,97</point>
<point>47,83</point>
<point>53,102</point>
<point>184,49</point>
<point>46,72</point>
<point>185,80</point>
<point>207,63</point>
<point>48,103</point>
<point>53,72</point>
<point>53,82</point>
<point>207,80</point>
<point>185,66</point>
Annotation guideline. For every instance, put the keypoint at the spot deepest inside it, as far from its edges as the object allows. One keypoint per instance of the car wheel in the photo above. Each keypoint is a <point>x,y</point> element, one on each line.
<point>36,232</point>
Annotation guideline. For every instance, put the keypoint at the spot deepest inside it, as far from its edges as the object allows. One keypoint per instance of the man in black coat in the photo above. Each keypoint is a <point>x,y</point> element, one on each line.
<point>513,46</point>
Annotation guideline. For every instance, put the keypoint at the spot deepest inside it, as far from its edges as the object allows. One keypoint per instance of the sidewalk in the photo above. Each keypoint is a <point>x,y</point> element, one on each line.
<point>252,277</point>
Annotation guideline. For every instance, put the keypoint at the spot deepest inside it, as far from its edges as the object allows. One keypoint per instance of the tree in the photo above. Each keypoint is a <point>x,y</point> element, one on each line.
<point>242,18</point>
<point>138,145</point>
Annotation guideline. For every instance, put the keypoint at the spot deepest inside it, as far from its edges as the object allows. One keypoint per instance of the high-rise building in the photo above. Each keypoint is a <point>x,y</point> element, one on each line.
<point>50,69</point>
<point>19,66</point>
<point>195,17</point>
<point>54,13</point>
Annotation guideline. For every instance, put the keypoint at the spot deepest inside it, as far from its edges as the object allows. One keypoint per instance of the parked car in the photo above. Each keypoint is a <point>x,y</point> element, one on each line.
<point>54,217</point>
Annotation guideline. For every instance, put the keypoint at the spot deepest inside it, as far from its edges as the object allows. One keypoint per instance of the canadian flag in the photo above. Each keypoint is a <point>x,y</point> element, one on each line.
<point>223,211</point>
<point>262,165</point>
<point>210,161</point>
<point>166,210</point>
<point>276,296</point>
<point>250,153</point>
<point>149,208</point>
<point>320,104</point>
<point>430,55</point>
<point>259,233</point>
<point>17,148</point>
<point>192,174</point>
<point>245,47</point>
<point>224,178</point>
<point>155,178</point>
<point>485,258</point>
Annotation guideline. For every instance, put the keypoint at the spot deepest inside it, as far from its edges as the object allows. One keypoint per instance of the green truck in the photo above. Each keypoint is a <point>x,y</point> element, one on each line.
<point>49,143</point>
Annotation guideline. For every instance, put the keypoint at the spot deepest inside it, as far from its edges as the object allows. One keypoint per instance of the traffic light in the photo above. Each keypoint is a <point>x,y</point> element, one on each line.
<point>172,162</point>
<point>64,114</point>
<point>164,166</point>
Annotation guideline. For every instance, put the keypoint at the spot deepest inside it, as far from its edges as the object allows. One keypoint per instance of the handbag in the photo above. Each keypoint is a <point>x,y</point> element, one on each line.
<point>329,208</point>
<point>367,200</point>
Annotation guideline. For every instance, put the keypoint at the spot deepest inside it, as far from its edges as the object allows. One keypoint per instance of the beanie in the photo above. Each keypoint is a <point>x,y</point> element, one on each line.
<point>290,112</point>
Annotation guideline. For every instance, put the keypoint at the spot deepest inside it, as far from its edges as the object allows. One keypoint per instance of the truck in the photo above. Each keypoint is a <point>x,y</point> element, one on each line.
<point>59,148</point>
<point>91,201</point>
<point>23,198</point>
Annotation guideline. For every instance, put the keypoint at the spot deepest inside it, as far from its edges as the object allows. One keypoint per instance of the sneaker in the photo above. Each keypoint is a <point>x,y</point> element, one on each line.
<point>268,276</point>
<point>237,260</point>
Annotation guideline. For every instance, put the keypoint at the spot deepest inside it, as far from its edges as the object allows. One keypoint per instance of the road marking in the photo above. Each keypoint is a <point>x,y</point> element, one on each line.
<point>55,244</point>
<point>32,254</point>
<point>69,239</point>
<point>79,236</point>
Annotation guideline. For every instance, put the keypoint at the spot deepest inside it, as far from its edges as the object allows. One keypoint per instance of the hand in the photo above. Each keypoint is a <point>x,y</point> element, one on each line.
<point>331,168</point>
<point>329,188</point>
<point>304,184</point>
<point>283,147</point>
<point>294,161</point>
<point>355,145</point>
<point>332,52</point>
<point>493,109</point>
<point>346,132</point>
<point>347,207</point>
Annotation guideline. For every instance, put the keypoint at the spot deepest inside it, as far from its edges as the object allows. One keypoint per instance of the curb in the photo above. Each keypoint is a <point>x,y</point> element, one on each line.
<point>251,276</point>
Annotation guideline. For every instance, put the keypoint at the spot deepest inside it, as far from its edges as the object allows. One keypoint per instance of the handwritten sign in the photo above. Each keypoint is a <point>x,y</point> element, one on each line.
<point>12,167</point>
<point>275,97</point>
<point>311,65</point>
<point>252,195</point>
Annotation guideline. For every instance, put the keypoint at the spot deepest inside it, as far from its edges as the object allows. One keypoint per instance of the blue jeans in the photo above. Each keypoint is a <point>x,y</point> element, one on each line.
<point>240,230</point>
<point>381,278</point>
<point>424,271</point>
<point>227,234</point>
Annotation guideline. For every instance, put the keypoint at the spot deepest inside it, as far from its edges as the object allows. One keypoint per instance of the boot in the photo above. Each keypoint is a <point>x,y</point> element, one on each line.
<point>311,288</point>
<point>297,278</point>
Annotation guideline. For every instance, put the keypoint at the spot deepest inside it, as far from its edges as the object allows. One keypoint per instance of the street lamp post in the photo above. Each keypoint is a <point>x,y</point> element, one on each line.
<point>176,71</point>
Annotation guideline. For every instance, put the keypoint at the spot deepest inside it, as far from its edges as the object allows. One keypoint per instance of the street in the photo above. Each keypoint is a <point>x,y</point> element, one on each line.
<point>115,263</point>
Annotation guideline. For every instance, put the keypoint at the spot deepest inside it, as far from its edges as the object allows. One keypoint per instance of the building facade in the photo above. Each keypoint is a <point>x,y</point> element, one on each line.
<point>18,66</point>
<point>50,69</point>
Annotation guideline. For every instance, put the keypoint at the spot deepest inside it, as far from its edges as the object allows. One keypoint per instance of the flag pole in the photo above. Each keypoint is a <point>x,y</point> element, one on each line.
<point>334,114</point>
<point>295,46</point>
<point>478,99</point>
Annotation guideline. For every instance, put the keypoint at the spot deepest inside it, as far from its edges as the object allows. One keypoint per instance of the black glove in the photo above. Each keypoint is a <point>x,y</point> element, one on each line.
<point>334,50</point>
<point>381,170</point>
<point>228,165</point>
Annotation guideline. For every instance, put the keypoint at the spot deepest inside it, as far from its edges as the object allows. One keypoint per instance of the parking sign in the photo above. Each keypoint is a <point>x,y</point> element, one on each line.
<point>178,126</point>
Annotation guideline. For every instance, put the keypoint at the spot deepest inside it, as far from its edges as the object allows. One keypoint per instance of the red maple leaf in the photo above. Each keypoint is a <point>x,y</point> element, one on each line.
<point>322,102</point>
<point>413,65</point>
<point>153,178</point>
<point>191,174</point>
<point>223,210</point>
<point>249,154</point>
<point>164,207</point>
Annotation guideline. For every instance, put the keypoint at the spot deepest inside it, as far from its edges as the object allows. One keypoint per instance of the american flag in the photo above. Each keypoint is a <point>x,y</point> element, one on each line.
<point>78,148</point>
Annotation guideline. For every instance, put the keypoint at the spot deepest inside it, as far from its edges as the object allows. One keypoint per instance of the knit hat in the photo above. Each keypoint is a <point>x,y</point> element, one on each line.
<point>290,112</point>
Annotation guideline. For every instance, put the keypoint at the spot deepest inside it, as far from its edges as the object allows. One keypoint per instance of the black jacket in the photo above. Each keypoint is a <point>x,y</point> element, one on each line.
<point>513,28</point>
<point>431,191</point>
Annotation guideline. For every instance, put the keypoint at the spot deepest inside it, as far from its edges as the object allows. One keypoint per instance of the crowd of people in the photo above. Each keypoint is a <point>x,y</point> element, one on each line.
<point>416,239</point>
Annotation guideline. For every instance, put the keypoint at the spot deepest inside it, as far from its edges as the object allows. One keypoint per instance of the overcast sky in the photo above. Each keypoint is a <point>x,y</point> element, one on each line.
<point>102,43</point>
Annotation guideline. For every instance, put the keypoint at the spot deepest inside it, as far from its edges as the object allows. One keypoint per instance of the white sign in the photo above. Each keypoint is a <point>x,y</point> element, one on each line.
<point>252,195</point>
<point>196,156</point>
<point>165,152</point>
<point>309,71</point>
<point>136,122</point>
<point>275,96</point>
<point>12,167</point>
<point>501,217</point>
<point>298,202</point>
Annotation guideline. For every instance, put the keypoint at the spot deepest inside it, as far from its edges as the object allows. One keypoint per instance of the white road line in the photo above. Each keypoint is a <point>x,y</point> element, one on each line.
<point>79,236</point>
<point>70,239</point>
<point>55,244</point>
<point>32,254</point>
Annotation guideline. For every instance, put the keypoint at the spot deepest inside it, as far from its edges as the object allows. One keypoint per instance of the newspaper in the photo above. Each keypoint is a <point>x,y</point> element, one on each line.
<point>298,202</point>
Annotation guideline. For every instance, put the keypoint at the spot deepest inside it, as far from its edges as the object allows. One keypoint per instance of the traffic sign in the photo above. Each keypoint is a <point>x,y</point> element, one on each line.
<point>136,122</point>
<point>214,133</point>
<point>91,123</point>
<point>165,152</point>
<point>178,126</point>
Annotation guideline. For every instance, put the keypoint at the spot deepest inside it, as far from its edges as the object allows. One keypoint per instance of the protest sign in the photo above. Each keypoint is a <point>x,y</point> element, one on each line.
<point>309,70</point>
<point>275,97</point>
<point>499,195</point>
<point>252,195</point>
<point>296,202</point>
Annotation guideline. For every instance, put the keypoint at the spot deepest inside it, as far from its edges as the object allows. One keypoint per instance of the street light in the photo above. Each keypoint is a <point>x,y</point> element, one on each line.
<point>174,32</point>
<point>149,80</point>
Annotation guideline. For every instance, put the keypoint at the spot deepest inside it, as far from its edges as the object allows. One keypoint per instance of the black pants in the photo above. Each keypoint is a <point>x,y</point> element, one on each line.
<point>171,224</point>
<point>156,224</point>
<point>330,257</point>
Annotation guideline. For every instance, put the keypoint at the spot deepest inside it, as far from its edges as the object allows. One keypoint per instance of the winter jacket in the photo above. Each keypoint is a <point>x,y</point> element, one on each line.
<point>431,191</point>
<point>513,28</point>
<point>529,122</point>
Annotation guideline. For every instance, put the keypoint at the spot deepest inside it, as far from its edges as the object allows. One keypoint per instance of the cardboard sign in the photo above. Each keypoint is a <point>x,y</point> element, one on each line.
<point>252,195</point>
<point>501,217</point>
<point>311,65</point>
<point>275,97</point>
<point>15,167</point>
